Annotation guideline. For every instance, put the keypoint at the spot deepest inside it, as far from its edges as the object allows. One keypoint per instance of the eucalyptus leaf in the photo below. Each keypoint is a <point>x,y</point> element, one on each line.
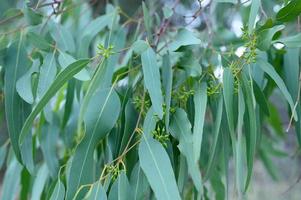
<point>59,81</point>
<point>152,80</point>
<point>156,166</point>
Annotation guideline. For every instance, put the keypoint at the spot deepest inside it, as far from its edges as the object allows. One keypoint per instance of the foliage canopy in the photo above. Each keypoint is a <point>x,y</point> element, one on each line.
<point>128,100</point>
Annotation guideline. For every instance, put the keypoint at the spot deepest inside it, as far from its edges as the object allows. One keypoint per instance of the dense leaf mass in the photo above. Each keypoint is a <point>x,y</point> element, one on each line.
<point>145,99</point>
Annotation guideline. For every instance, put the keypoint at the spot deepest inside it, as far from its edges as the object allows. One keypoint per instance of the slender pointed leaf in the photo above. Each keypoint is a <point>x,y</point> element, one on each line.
<point>60,80</point>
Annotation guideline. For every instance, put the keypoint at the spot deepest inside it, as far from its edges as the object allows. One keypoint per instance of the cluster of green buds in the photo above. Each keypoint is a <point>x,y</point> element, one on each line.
<point>213,88</point>
<point>105,52</point>
<point>251,42</point>
<point>160,134</point>
<point>235,71</point>
<point>182,95</point>
<point>138,103</point>
<point>113,170</point>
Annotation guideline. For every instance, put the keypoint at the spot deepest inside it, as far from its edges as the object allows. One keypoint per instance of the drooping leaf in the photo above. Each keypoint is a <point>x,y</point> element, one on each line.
<point>239,165</point>
<point>39,182</point>
<point>92,29</point>
<point>16,109</point>
<point>269,69</point>
<point>156,166</point>
<point>11,180</point>
<point>101,116</point>
<point>184,37</point>
<point>152,80</point>
<point>139,46</point>
<point>59,191</point>
<point>147,21</point>
<point>261,99</point>
<point>167,85</point>
<point>180,128</point>
<point>253,14</point>
<point>24,84</point>
<point>3,151</point>
<point>66,59</point>
<point>265,37</point>
<point>291,78</point>
<point>59,81</point>
<point>48,142</point>
<point>121,189</point>
<point>251,135</point>
<point>138,183</point>
<point>38,41</point>
<point>289,12</point>
<point>62,36</point>
<point>131,117</point>
<point>216,135</point>
<point>228,93</point>
<point>200,104</point>
<point>47,75</point>
<point>96,192</point>
<point>102,77</point>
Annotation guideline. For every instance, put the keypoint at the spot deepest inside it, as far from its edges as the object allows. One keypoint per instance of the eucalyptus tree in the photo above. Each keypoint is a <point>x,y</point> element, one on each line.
<point>145,100</point>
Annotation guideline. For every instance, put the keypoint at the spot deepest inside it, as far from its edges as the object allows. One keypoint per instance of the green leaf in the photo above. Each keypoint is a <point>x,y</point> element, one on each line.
<point>39,182</point>
<point>59,191</point>
<point>47,75</point>
<point>3,151</point>
<point>156,165</point>
<point>253,13</point>
<point>100,117</point>
<point>152,80</point>
<point>66,59</point>
<point>289,12</point>
<point>184,37</point>
<point>62,36</point>
<point>59,81</point>
<point>228,93</point>
<point>269,69</point>
<point>261,99</point>
<point>180,128</point>
<point>265,37</point>
<point>121,189</point>
<point>11,180</point>
<point>24,86</point>
<point>138,183</point>
<point>102,77</point>
<point>200,103</point>
<point>290,41</point>
<point>149,123</point>
<point>291,78</point>
<point>239,157</point>
<point>167,12</point>
<point>38,41</point>
<point>139,46</point>
<point>251,135</point>
<point>16,109</point>
<point>48,140</point>
<point>190,64</point>
<point>33,17</point>
<point>147,19</point>
<point>167,85</point>
<point>216,135</point>
<point>96,192</point>
<point>27,154</point>
<point>91,30</point>
<point>130,122</point>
